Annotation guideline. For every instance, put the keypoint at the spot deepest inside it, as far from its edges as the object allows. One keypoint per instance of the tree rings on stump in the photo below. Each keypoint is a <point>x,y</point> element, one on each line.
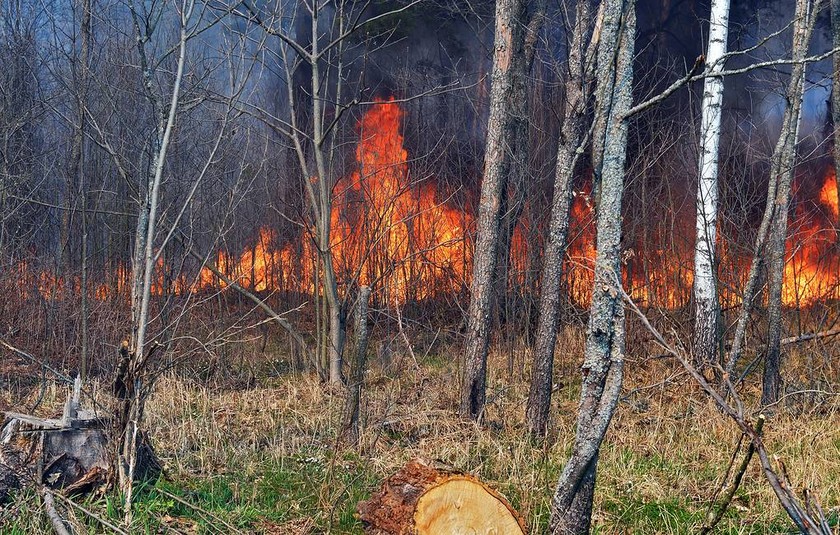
<point>422,500</point>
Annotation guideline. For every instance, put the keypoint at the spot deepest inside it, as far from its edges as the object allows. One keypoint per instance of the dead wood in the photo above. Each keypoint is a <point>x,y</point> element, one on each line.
<point>423,500</point>
<point>72,453</point>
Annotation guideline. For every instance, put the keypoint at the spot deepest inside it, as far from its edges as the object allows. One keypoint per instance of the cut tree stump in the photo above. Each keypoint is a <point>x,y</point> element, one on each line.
<point>423,500</point>
<point>69,453</point>
<point>60,454</point>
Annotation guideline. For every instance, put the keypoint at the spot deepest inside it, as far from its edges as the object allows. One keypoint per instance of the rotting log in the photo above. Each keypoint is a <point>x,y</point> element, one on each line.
<point>424,500</point>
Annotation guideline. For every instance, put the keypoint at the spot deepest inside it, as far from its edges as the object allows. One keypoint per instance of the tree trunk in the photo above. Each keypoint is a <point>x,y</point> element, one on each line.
<point>508,40</point>
<point>603,363</point>
<point>513,199</point>
<point>135,355</point>
<point>354,394</point>
<point>571,135</point>
<point>778,174</point>
<point>782,166</point>
<point>707,307</point>
<point>426,500</point>
<point>835,99</point>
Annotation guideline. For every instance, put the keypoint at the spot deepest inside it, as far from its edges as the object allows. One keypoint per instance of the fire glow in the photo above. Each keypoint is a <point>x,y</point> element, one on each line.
<point>405,237</point>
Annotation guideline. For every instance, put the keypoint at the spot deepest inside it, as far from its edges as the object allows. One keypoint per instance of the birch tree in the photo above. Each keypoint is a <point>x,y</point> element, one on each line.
<point>577,87</point>
<point>571,505</point>
<point>508,42</point>
<point>707,308</point>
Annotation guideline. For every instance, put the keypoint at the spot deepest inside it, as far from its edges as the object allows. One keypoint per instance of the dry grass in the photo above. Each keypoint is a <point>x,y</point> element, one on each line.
<point>266,457</point>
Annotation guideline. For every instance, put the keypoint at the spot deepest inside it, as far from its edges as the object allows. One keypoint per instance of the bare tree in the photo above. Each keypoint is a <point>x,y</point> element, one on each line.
<point>514,197</point>
<point>77,162</point>
<point>835,96</point>
<point>773,226</point>
<point>569,148</point>
<point>164,93</point>
<point>571,505</point>
<point>707,307</point>
<point>312,124</point>
<point>782,165</point>
<point>509,39</point>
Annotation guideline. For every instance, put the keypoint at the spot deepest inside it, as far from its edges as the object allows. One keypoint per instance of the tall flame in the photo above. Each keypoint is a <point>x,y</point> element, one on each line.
<point>404,237</point>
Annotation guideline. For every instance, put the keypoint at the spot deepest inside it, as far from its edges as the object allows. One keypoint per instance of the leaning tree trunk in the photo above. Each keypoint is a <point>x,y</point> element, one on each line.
<point>783,166</point>
<point>707,307</point>
<point>571,506</point>
<point>770,210</point>
<point>508,42</point>
<point>571,135</point>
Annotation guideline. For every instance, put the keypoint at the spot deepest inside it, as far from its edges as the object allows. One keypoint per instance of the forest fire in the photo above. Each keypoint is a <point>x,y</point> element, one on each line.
<point>811,267</point>
<point>402,236</point>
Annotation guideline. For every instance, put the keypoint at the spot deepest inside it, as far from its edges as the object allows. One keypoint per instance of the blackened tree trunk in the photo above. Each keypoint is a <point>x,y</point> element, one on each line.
<point>497,163</point>
<point>603,365</point>
<point>514,197</point>
<point>782,166</point>
<point>571,135</point>
<point>707,307</point>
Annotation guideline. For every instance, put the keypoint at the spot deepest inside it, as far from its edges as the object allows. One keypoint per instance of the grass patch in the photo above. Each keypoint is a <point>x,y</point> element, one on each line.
<point>263,458</point>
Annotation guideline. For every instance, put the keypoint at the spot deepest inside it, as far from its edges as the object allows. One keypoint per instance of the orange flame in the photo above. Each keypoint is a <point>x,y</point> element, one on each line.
<point>405,238</point>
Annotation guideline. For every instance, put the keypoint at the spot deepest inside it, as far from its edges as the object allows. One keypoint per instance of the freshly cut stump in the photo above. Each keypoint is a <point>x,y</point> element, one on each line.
<point>424,500</point>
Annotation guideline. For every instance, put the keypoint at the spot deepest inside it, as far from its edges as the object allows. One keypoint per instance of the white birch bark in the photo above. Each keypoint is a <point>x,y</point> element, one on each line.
<point>705,293</point>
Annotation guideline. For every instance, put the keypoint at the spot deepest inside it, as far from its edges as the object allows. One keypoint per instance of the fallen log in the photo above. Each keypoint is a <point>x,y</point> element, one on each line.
<point>424,500</point>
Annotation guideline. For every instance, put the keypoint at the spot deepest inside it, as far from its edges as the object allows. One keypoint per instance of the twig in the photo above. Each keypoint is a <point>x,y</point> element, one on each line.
<point>714,517</point>
<point>778,482</point>
<point>34,360</point>
<point>283,322</point>
<point>55,519</point>
<point>50,369</point>
<point>689,76</point>
<point>809,336</point>
<point>199,509</point>
<point>91,514</point>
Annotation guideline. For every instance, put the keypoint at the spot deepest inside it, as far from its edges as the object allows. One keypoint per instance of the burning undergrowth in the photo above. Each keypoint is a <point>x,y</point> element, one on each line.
<point>405,236</point>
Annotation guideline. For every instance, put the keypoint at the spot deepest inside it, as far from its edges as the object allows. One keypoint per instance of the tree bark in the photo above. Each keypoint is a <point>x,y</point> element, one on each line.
<point>497,163</point>
<point>783,166</point>
<point>354,394</point>
<point>603,363</point>
<point>707,307</point>
<point>514,197</point>
<point>835,99</point>
<point>568,150</point>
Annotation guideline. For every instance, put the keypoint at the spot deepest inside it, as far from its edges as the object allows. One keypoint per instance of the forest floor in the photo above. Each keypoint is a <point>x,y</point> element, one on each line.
<point>259,454</point>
